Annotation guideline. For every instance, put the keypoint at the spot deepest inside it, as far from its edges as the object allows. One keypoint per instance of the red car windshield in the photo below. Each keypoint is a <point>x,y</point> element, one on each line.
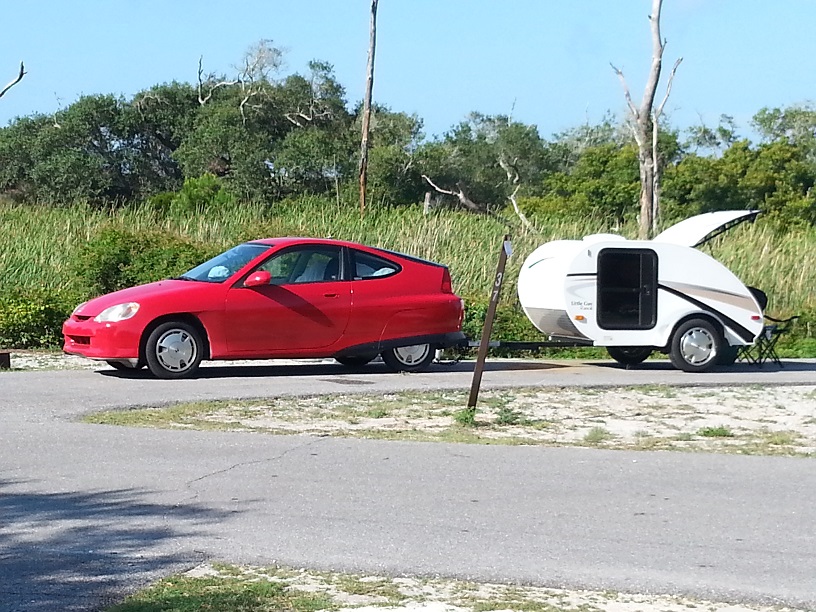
<point>221,267</point>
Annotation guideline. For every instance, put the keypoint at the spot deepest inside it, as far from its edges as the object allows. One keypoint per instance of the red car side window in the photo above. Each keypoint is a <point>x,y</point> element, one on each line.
<point>370,266</point>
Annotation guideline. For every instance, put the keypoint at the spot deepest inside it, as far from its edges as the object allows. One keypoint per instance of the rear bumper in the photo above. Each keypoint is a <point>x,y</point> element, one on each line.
<point>446,340</point>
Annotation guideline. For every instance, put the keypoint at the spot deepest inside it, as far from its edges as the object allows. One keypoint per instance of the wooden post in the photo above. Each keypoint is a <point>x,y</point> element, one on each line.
<point>506,251</point>
<point>372,47</point>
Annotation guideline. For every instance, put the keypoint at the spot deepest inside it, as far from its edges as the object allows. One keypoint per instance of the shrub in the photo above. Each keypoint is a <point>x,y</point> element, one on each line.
<point>196,196</point>
<point>116,258</point>
<point>33,320</point>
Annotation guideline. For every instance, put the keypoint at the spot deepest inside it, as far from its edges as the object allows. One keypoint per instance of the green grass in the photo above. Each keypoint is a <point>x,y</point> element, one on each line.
<point>716,432</point>
<point>184,594</point>
<point>38,241</point>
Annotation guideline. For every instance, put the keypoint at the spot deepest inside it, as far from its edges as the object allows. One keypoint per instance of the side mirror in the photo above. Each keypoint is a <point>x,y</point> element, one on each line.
<point>256,279</point>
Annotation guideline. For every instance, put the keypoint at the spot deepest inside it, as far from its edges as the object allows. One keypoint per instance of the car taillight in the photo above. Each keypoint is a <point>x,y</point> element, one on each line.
<point>447,285</point>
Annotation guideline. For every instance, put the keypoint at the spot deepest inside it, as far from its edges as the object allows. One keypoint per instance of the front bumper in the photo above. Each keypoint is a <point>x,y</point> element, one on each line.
<point>115,341</point>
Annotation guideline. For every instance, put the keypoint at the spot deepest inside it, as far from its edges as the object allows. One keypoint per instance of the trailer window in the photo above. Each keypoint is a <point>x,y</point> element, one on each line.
<point>627,289</point>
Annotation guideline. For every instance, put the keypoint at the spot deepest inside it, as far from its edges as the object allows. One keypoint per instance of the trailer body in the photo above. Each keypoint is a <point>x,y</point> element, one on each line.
<point>637,296</point>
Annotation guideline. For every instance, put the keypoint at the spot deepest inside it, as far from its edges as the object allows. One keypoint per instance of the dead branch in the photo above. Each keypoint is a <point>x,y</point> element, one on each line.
<point>659,110</point>
<point>515,179</point>
<point>302,118</point>
<point>14,81</point>
<point>202,99</point>
<point>634,113</point>
<point>459,194</point>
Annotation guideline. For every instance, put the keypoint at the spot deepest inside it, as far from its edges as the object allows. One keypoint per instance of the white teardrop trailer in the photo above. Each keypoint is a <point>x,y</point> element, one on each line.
<point>638,296</point>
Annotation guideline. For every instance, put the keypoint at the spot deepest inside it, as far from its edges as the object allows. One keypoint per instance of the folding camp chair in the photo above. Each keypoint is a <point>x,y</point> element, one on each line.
<point>764,349</point>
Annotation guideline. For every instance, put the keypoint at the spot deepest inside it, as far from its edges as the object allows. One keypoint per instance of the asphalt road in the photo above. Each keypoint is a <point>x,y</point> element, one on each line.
<point>89,512</point>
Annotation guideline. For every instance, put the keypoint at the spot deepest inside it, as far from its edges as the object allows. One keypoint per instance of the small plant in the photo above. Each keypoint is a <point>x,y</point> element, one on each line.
<point>508,416</point>
<point>782,438</point>
<point>715,432</point>
<point>596,435</point>
<point>377,413</point>
<point>466,417</point>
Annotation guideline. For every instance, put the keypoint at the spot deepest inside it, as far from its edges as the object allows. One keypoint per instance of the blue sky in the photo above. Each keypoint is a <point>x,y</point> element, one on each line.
<point>546,62</point>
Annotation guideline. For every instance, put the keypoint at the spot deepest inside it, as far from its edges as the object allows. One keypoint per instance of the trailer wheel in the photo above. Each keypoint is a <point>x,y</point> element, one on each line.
<point>695,346</point>
<point>629,355</point>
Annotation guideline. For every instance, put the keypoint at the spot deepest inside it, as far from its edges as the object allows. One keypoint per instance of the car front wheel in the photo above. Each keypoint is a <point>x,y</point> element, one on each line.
<point>174,350</point>
<point>409,358</point>
<point>695,346</point>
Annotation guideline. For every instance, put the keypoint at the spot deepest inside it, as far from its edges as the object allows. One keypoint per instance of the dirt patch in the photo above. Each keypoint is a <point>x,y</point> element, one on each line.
<point>778,420</point>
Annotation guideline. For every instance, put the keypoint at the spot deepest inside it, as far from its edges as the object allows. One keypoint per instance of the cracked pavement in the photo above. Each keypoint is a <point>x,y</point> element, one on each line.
<point>90,512</point>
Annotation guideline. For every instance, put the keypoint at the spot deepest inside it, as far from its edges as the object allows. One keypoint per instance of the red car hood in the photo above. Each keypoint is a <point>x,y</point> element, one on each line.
<point>163,290</point>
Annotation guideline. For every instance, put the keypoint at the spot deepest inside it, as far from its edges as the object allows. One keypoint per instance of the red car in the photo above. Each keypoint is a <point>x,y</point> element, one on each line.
<point>276,298</point>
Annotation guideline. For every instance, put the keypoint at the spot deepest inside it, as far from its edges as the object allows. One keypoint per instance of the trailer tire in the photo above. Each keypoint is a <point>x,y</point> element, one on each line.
<point>629,355</point>
<point>696,346</point>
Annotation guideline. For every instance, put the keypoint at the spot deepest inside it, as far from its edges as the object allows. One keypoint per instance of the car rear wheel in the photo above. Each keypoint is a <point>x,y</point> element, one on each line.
<point>355,361</point>
<point>174,350</point>
<point>412,358</point>
<point>629,355</point>
<point>695,346</point>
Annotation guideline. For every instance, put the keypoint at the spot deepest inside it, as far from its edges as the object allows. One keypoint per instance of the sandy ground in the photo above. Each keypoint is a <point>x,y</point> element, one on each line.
<point>781,420</point>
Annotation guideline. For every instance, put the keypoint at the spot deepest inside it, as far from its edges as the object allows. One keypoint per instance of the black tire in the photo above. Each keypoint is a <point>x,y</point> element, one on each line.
<point>413,358</point>
<point>355,361</point>
<point>696,346</point>
<point>629,355</point>
<point>124,367</point>
<point>728,355</point>
<point>174,350</point>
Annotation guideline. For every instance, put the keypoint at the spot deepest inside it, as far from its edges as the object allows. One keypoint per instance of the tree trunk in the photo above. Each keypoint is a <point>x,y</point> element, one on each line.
<point>372,46</point>
<point>644,122</point>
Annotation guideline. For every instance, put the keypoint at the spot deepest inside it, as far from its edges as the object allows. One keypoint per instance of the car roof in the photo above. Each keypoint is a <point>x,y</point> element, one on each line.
<point>284,241</point>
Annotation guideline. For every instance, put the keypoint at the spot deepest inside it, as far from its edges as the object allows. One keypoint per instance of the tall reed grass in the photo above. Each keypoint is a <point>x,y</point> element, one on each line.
<point>38,242</point>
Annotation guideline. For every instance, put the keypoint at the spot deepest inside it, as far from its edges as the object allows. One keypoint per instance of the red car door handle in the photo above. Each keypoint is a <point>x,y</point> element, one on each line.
<point>330,295</point>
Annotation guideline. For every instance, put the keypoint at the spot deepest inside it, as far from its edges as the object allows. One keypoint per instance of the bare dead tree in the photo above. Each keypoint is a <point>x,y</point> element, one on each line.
<point>254,74</point>
<point>644,122</point>
<point>13,82</point>
<point>372,47</point>
<point>261,61</point>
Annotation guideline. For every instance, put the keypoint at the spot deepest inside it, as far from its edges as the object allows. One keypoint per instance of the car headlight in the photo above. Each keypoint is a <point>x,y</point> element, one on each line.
<point>120,312</point>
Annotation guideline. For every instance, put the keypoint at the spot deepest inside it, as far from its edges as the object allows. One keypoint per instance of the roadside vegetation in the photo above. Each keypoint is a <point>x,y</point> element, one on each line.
<point>738,420</point>
<point>217,586</point>
<point>53,258</point>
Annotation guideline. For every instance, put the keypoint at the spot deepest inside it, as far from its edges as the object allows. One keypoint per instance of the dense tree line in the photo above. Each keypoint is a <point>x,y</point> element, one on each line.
<point>268,138</point>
